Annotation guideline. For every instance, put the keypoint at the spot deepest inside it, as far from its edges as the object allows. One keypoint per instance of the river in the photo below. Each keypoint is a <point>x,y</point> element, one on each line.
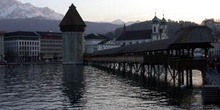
<point>58,87</point>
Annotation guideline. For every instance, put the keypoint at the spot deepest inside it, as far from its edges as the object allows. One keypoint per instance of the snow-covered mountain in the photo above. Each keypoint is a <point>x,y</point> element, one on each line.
<point>13,9</point>
<point>120,22</point>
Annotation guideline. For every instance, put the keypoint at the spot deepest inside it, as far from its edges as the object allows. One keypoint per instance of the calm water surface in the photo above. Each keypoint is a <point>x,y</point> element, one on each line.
<point>59,87</point>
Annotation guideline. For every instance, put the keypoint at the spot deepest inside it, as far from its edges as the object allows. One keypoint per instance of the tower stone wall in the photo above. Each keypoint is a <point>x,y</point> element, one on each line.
<point>73,47</point>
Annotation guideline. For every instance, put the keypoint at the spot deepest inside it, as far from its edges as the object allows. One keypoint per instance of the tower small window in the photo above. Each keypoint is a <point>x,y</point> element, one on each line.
<point>154,29</point>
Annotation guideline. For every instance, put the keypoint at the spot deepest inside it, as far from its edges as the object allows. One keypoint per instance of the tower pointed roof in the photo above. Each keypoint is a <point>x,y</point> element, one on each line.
<point>72,21</point>
<point>163,21</point>
<point>155,19</point>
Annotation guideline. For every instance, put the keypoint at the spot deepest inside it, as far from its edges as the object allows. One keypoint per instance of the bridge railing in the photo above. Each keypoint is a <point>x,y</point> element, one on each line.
<point>121,59</point>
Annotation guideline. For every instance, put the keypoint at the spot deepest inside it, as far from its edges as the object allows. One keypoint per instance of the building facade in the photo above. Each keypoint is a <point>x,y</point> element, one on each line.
<point>21,46</point>
<point>107,44</point>
<point>91,42</point>
<point>215,27</point>
<point>134,37</point>
<point>51,46</point>
<point>158,32</point>
<point>159,29</point>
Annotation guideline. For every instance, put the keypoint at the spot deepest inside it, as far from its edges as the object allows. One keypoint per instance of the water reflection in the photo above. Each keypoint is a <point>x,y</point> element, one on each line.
<point>73,83</point>
<point>61,87</point>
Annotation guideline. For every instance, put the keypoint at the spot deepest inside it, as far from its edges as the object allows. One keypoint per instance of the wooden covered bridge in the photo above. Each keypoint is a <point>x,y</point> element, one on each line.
<point>170,60</point>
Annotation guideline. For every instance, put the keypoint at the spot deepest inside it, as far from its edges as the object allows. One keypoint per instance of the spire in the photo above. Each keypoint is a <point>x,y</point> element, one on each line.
<point>124,28</point>
<point>163,21</point>
<point>163,14</point>
<point>155,20</point>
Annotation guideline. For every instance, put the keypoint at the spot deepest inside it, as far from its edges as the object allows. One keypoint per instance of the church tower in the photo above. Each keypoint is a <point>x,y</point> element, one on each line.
<point>73,28</point>
<point>155,28</point>
<point>163,27</point>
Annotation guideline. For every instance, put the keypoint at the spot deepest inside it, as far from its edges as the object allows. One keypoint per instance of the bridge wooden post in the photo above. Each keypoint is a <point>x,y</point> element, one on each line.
<point>130,69</point>
<point>174,77</point>
<point>204,67</point>
<point>187,77</point>
<point>123,68</point>
<point>166,71</point>
<point>179,73</point>
<point>158,75</point>
<point>190,75</point>
<point>143,72</point>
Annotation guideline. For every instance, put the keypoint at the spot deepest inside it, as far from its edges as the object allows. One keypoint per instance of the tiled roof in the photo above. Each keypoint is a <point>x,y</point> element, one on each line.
<point>193,34</point>
<point>103,42</point>
<point>141,47</point>
<point>195,37</point>
<point>135,35</point>
<point>21,33</point>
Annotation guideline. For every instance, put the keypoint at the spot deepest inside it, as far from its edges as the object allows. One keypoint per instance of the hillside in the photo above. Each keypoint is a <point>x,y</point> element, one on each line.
<point>173,26</point>
<point>36,24</point>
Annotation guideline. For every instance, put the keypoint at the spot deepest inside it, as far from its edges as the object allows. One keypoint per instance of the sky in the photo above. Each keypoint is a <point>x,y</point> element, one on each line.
<point>134,10</point>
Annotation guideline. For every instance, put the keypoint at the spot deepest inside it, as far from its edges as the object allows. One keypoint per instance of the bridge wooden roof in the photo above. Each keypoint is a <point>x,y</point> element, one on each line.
<point>142,47</point>
<point>190,37</point>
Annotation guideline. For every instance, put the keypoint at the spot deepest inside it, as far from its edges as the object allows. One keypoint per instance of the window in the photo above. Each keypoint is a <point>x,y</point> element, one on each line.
<point>154,28</point>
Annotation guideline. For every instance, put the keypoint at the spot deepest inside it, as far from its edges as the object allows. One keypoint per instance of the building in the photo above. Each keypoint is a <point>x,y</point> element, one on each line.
<point>2,55</point>
<point>51,46</point>
<point>134,37</point>
<point>215,27</point>
<point>91,42</point>
<point>215,52</point>
<point>159,29</point>
<point>158,32</point>
<point>21,46</point>
<point>97,42</point>
<point>107,44</point>
<point>73,28</point>
<point>212,24</point>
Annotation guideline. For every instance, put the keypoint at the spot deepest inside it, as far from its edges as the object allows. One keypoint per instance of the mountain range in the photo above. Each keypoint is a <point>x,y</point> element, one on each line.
<point>120,22</point>
<point>13,9</point>
<point>16,16</point>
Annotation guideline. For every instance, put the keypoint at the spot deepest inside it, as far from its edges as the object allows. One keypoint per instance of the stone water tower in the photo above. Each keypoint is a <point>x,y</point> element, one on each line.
<point>73,28</point>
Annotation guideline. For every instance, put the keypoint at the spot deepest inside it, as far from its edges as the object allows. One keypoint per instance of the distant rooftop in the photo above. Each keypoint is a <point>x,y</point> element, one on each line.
<point>95,36</point>
<point>50,35</point>
<point>135,35</point>
<point>21,33</point>
<point>190,37</point>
